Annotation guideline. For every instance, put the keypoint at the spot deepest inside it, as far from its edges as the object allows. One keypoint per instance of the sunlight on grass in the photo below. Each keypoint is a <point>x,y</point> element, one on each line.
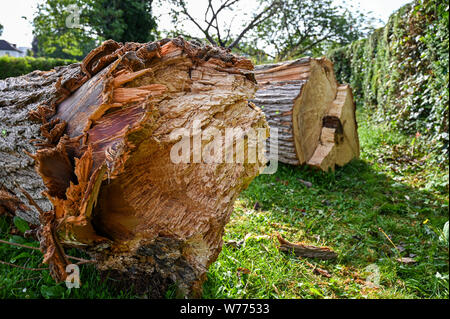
<point>343,210</point>
<point>392,188</point>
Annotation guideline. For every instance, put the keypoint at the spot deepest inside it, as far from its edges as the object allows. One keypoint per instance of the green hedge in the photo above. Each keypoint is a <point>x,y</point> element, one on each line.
<point>10,66</point>
<point>401,72</point>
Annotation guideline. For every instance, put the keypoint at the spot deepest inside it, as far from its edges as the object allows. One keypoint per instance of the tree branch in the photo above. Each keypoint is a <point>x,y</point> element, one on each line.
<point>186,13</point>
<point>254,23</point>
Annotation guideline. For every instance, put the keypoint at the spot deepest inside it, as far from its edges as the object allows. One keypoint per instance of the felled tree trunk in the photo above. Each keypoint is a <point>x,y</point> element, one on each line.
<point>314,115</point>
<point>85,152</point>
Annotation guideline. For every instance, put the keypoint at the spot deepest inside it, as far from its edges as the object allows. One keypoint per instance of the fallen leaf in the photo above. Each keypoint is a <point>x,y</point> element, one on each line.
<point>242,270</point>
<point>260,237</point>
<point>322,272</point>
<point>400,248</point>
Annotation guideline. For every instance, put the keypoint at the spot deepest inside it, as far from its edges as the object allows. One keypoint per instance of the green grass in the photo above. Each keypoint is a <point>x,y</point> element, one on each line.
<point>394,187</point>
<point>19,283</point>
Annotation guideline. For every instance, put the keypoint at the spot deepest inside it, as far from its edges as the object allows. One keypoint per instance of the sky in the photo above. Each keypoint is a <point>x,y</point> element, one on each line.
<point>18,30</point>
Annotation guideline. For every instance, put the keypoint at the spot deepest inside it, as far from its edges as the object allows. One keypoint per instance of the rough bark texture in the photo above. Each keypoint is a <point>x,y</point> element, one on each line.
<point>89,145</point>
<point>314,115</point>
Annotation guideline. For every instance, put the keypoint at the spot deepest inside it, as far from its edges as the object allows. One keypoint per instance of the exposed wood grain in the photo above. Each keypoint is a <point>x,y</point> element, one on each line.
<point>299,98</point>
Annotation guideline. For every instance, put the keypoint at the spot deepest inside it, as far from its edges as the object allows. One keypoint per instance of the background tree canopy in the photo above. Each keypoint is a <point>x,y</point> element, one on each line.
<point>273,30</point>
<point>217,33</point>
<point>280,29</point>
<point>125,20</point>
<point>309,27</point>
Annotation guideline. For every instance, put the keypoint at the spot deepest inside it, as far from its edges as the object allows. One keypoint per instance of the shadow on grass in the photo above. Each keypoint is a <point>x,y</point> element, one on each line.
<point>352,210</point>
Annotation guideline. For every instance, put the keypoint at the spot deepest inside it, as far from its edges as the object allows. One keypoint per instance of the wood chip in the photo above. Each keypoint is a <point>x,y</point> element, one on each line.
<point>322,272</point>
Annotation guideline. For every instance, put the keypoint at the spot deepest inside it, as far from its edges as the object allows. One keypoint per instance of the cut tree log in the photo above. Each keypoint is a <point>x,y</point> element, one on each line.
<point>85,152</point>
<point>314,115</point>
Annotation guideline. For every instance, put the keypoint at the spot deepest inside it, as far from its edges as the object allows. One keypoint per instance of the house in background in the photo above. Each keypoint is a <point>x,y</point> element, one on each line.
<point>25,50</point>
<point>7,48</point>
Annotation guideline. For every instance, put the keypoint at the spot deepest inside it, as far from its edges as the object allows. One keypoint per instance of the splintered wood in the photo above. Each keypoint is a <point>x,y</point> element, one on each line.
<point>104,180</point>
<point>314,115</point>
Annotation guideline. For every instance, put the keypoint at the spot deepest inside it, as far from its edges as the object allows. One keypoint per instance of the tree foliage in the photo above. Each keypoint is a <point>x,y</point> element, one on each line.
<point>302,27</point>
<point>289,27</point>
<point>217,33</point>
<point>1,29</point>
<point>54,38</point>
<point>123,20</point>
<point>401,72</point>
<point>63,31</point>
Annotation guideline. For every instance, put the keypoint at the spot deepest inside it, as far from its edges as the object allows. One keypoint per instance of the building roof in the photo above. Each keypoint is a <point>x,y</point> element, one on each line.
<point>5,45</point>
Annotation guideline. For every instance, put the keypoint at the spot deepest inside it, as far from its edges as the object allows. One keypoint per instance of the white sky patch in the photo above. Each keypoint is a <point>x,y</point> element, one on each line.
<point>19,31</point>
<point>381,8</point>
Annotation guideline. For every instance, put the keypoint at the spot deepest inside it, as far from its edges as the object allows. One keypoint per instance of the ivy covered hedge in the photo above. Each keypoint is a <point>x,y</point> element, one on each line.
<point>10,66</point>
<point>401,72</point>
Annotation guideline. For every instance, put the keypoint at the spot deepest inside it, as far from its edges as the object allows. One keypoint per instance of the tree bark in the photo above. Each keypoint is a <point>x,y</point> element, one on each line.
<point>86,154</point>
<point>314,115</point>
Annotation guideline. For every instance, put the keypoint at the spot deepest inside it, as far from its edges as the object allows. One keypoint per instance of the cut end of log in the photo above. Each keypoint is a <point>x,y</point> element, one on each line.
<point>109,131</point>
<point>314,116</point>
<point>339,142</point>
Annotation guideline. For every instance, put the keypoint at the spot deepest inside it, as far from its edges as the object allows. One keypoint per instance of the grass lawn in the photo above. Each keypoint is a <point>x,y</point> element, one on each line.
<point>393,191</point>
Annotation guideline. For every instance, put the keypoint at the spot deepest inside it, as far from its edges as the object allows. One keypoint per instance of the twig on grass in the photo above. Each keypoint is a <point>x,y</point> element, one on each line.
<point>81,260</point>
<point>21,267</point>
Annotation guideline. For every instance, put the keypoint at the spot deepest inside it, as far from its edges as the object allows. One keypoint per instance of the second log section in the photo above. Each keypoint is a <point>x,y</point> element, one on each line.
<point>314,115</point>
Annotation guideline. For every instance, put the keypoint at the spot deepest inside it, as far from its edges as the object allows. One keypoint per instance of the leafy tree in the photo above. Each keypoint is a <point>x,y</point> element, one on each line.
<point>310,27</point>
<point>249,48</point>
<point>287,28</point>
<point>54,37</point>
<point>1,29</point>
<point>123,20</point>
<point>220,34</point>
<point>65,32</point>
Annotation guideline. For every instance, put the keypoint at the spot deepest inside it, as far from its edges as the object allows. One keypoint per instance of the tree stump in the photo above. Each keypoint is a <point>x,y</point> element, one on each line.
<point>85,153</point>
<point>314,115</point>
